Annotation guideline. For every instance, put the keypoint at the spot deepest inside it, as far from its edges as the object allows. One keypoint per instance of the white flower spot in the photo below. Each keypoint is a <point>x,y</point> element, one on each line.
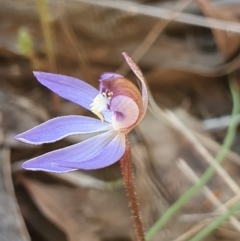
<point>100,103</point>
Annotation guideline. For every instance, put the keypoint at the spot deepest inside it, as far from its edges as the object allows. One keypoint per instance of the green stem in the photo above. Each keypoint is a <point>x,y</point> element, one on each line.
<point>45,18</point>
<point>209,172</point>
<point>212,226</point>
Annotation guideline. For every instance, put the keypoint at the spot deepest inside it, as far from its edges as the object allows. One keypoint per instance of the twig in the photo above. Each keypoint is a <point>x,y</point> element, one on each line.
<point>213,225</point>
<point>216,124</point>
<point>161,13</point>
<point>203,152</point>
<point>195,229</point>
<point>194,178</point>
<point>185,236</point>
<point>212,145</point>
<point>72,40</point>
<point>157,29</point>
<point>208,173</point>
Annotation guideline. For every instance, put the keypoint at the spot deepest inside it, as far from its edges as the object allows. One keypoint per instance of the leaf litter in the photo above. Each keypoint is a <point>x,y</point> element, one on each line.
<point>186,69</point>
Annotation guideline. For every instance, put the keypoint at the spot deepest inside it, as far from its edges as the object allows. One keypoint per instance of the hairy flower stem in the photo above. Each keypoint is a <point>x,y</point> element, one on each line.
<point>127,172</point>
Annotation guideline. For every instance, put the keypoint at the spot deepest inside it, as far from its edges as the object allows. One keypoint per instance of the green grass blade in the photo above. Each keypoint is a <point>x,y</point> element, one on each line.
<point>209,172</point>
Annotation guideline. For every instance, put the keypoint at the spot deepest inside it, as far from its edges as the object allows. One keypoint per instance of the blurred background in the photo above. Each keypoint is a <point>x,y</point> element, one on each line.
<point>186,49</point>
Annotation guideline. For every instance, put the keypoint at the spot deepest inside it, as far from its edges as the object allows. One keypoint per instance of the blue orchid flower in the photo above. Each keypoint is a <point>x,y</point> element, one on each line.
<point>119,105</point>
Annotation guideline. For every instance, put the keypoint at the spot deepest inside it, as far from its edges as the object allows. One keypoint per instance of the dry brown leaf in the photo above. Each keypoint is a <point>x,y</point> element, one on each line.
<point>227,42</point>
<point>104,33</point>
<point>12,226</point>
<point>82,214</point>
<point>18,114</point>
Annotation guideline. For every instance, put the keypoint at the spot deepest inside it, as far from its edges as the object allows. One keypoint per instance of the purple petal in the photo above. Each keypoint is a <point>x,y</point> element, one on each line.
<point>106,76</point>
<point>76,153</point>
<point>60,127</point>
<point>126,111</point>
<point>69,88</point>
<point>110,154</point>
